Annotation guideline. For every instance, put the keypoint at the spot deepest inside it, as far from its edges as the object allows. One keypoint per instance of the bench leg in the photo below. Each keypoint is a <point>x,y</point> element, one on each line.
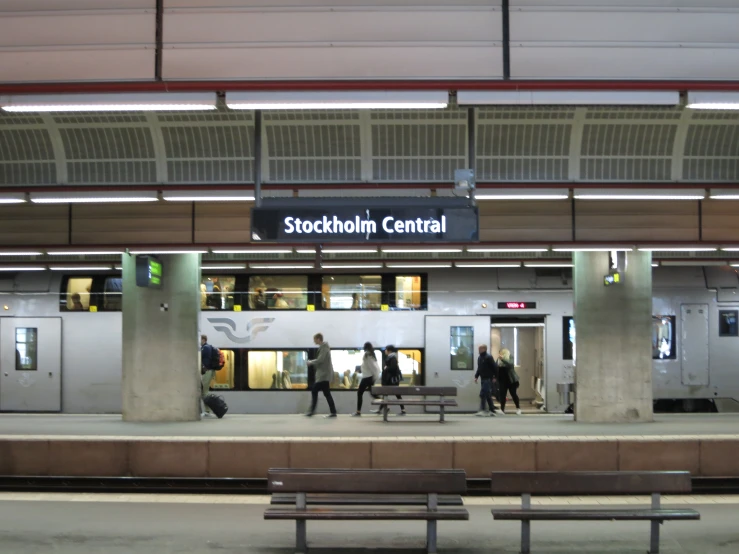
<point>654,534</point>
<point>385,410</point>
<point>526,525</point>
<point>301,542</point>
<point>432,503</point>
<point>441,414</point>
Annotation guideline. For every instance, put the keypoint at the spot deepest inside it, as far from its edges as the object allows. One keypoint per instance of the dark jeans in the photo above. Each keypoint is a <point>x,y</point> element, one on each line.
<point>486,394</point>
<point>364,385</point>
<point>505,388</point>
<point>324,386</point>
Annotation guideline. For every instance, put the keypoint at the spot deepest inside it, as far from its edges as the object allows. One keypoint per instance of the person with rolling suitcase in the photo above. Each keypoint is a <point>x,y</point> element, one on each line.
<point>211,360</point>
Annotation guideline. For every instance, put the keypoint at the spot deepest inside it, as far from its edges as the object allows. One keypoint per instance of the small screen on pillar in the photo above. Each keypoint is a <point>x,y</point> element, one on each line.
<point>148,272</point>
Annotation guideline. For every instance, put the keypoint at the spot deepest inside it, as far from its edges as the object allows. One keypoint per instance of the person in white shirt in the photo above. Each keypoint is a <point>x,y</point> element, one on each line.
<point>370,373</point>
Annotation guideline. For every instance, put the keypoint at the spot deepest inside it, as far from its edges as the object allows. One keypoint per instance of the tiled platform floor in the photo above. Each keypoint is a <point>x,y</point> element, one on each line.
<point>525,427</point>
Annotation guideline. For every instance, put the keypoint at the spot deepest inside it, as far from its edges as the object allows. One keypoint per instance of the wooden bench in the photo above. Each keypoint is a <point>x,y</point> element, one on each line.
<point>319,499</point>
<point>592,483</point>
<point>412,391</point>
<point>356,482</point>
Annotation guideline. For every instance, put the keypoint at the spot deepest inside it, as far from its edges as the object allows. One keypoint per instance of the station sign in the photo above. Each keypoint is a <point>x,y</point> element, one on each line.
<point>357,224</point>
<point>516,305</point>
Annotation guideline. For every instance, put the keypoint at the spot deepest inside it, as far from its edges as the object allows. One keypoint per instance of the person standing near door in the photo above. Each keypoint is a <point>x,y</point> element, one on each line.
<point>487,371</point>
<point>324,374</point>
<point>508,379</point>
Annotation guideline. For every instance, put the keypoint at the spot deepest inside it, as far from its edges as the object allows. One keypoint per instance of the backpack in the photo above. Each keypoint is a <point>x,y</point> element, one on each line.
<point>217,359</point>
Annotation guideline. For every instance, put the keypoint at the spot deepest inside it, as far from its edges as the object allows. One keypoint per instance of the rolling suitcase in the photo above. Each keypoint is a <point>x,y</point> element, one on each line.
<point>216,404</point>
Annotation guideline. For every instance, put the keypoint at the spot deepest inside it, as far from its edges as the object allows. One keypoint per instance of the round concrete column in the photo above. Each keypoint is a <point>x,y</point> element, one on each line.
<point>161,372</point>
<point>613,369</point>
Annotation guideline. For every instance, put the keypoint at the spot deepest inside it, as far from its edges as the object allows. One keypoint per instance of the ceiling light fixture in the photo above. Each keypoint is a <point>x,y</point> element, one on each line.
<point>545,264</point>
<point>521,194</point>
<point>163,252</point>
<point>707,100</point>
<point>80,267</point>
<point>349,250</point>
<point>12,198</point>
<point>352,266</point>
<point>692,263</point>
<point>23,268</point>
<point>11,253</point>
<point>281,266</point>
<point>93,197</point>
<point>226,266</point>
<point>567,97</point>
<point>210,196</point>
<point>337,100</point>
<point>404,265</point>
<point>84,252</point>
<point>119,102</point>
<point>486,264</point>
<point>509,250</point>
<point>677,249</point>
<point>639,194</point>
<point>305,250</point>
<point>595,249</point>
<point>421,250</point>
<point>253,251</point>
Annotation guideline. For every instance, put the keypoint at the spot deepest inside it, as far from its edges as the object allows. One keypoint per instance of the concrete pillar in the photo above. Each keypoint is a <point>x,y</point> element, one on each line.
<point>613,365</point>
<point>161,372</point>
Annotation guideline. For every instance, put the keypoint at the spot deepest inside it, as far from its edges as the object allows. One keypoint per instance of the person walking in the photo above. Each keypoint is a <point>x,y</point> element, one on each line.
<point>370,373</point>
<point>392,376</point>
<point>207,373</point>
<point>324,374</point>
<point>508,379</point>
<point>487,371</point>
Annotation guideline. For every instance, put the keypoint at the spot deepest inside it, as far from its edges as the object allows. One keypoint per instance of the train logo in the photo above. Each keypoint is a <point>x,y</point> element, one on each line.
<point>227,326</point>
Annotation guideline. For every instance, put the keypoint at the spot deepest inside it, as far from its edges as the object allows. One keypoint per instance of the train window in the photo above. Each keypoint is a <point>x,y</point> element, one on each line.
<point>351,292</point>
<point>278,292</point>
<point>77,297</point>
<point>26,349</point>
<point>225,378</point>
<point>727,323</point>
<point>217,292</point>
<point>461,347</point>
<point>346,368</point>
<point>113,294</point>
<point>663,337</point>
<point>278,370</point>
<point>568,338</point>
<point>410,367</point>
<point>408,292</point>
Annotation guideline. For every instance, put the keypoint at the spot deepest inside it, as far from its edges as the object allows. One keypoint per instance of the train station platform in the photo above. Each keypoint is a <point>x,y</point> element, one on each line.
<point>245,446</point>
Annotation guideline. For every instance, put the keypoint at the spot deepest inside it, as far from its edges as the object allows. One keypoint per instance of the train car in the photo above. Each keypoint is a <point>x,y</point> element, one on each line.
<point>60,335</point>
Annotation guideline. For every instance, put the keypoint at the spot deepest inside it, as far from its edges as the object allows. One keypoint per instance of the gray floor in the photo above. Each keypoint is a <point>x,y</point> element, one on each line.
<point>116,528</point>
<point>367,426</point>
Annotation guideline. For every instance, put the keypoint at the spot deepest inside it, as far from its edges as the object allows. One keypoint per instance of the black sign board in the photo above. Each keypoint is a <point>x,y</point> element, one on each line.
<point>516,305</point>
<point>148,272</point>
<point>371,224</point>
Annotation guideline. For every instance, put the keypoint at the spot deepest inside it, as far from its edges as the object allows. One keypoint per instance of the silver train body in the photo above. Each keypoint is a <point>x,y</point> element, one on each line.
<point>88,354</point>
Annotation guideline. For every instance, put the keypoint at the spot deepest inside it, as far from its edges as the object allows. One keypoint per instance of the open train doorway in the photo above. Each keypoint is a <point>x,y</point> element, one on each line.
<point>525,338</point>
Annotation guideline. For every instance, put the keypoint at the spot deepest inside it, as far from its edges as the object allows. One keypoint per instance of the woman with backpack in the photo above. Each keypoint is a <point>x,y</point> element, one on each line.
<point>370,370</point>
<point>508,380</point>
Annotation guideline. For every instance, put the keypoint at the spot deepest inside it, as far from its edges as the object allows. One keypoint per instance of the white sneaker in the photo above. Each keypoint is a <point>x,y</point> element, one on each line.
<point>481,414</point>
<point>518,412</point>
<point>207,414</point>
<point>501,412</point>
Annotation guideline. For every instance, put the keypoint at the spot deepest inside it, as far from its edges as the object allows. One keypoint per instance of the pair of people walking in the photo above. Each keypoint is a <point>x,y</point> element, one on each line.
<point>370,369</point>
<point>501,374</point>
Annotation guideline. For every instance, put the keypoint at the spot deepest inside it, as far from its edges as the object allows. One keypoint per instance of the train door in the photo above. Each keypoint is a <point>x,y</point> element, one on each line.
<point>524,339</point>
<point>30,364</point>
<point>451,355</point>
<point>694,344</point>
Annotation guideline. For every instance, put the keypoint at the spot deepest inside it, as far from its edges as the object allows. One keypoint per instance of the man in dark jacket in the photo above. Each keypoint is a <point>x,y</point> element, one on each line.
<point>206,371</point>
<point>487,370</point>
<point>392,376</point>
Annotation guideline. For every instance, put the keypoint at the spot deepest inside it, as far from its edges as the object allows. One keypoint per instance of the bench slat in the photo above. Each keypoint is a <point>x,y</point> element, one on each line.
<point>590,482</point>
<point>415,391</point>
<point>367,499</point>
<point>590,515</point>
<point>412,402</point>
<point>368,513</point>
<point>406,481</point>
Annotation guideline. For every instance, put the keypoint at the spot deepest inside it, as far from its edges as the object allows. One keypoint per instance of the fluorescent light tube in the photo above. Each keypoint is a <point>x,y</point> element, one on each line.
<point>208,196</point>
<point>23,268</point>
<point>692,263</point>
<point>545,264</point>
<point>509,250</point>
<point>521,193</point>
<point>228,266</point>
<point>486,264</point>
<point>12,198</point>
<point>352,266</point>
<point>707,100</point>
<point>80,267</point>
<point>100,197</point>
<point>253,251</point>
<point>281,266</point>
<point>421,250</point>
<point>655,264</point>
<point>349,250</point>
<point>567,97</point>
<point>305,250</point>
<point>11,253</point>
<point>638,194</point>
<point>730,249</point>
<point>337,100</point>
<point>404,265</point>
<point>678,249</point>
<point>154,251</point>
<point>595,249</point>
<point>128,102</point>
<point>724,194</point>
<point>84,252</point>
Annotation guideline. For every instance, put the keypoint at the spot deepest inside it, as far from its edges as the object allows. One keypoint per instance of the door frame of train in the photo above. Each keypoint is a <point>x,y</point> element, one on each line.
<point>539,320</point>
<point>50,364</point>
<point>467,392</point>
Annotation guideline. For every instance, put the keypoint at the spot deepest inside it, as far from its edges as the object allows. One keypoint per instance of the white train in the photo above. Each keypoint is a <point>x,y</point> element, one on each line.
<point>60,335</point>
